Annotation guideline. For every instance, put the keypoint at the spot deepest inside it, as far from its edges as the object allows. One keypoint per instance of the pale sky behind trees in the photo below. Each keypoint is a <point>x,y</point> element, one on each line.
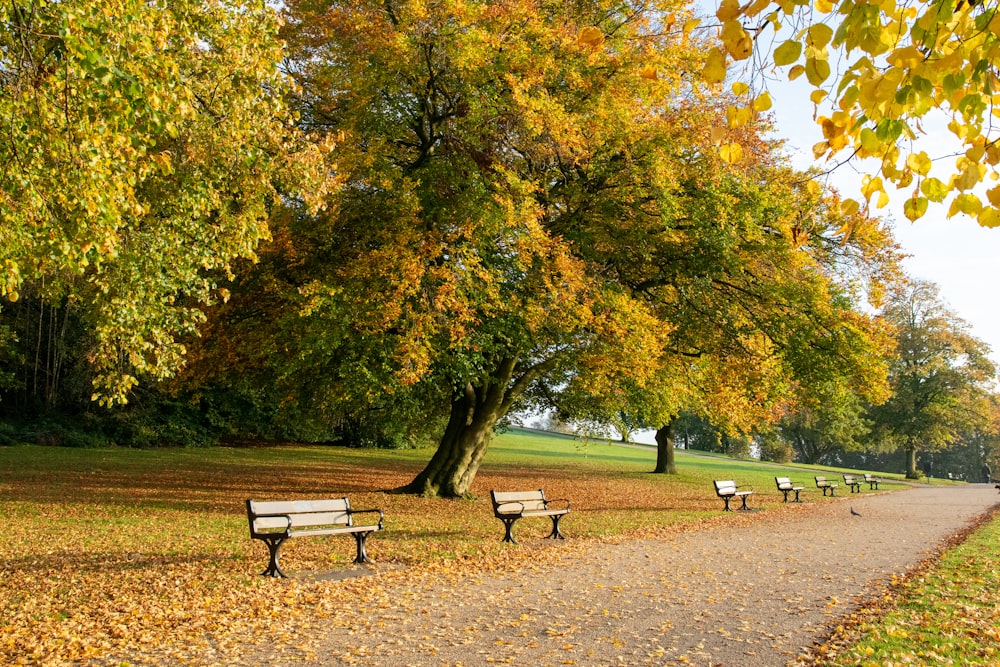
<point>957,254</point>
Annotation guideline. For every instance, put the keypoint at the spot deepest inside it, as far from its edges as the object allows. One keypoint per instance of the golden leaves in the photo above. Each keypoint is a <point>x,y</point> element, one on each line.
<point>591,37</point>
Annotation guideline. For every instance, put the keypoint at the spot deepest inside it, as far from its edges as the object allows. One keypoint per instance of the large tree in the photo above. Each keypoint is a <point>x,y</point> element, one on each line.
<point>141,147</point>
<point>941,377</point>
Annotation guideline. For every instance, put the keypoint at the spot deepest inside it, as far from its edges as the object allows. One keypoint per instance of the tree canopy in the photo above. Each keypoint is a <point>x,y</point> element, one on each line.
<point>142,144</point>
<point>880,73</point>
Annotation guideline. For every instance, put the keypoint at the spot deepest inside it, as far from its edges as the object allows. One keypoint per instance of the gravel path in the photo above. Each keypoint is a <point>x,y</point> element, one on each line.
<point>753,590</point>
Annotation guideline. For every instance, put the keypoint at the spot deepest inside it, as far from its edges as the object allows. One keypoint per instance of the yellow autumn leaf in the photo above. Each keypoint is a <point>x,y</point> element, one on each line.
<point>988,217</point>
<point>590,37</point>
<point>762,102</point>
<point>690,25</point>
<point>870,185</point>
<point>736,39</point>
<point>824,6</point>
<point>731,153</point>
<point>649,72</point>
<point>970,175</point>
<point>796,72</point>
<point>718,134</point>
<point>728,10</point>
<point>740,88</point>
<point>787,53</point>
<point>920,163</point>
<point>817,96</point>
<point>906,57</point>
<point>883,200</point>
<point>993,195</point>
<point>819,35</point>
<point>715,66</point>
<point>756,7</point>
<point>820,149</point>
<point>738,116</point>
<point>966,203</point>
<point>817,70</point>
<point>849,207</point>
<point>914,208</point>
<point>934,189</point>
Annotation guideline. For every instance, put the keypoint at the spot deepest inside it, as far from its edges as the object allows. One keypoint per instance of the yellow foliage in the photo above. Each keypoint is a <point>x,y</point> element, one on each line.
<point>728,10</point>
<point>737,40</point>
<point>715,66</point>
<point>591,37</point>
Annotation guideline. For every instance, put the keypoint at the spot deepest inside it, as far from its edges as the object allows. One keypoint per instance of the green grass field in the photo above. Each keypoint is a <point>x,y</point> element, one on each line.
<point>114,552</point>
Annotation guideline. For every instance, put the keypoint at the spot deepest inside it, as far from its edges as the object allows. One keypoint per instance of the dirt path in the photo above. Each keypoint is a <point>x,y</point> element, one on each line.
<point>752,591</point>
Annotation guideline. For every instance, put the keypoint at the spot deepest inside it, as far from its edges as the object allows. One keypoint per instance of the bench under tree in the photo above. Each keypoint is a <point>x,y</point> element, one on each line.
<point>274,522</point>
<point>826,485</point>
<point>786,486</point>
<point>509,506</point>
<point>727,489</point>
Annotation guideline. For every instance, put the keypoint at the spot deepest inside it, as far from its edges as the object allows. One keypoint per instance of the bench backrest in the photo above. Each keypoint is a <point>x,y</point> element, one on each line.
<point>868,477</point>
<point>530,500</point>
<point>820,479</point>
<point>301,512</point>
<point>725,487</point>
<point>848,479</point>
<point>783,482</point>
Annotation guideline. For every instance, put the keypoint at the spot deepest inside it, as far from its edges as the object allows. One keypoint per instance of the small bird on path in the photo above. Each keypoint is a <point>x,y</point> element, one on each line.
<point>854,513</point>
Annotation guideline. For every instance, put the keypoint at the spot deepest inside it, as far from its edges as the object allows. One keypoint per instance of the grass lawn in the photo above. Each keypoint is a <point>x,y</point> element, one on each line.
<point>111,554</point>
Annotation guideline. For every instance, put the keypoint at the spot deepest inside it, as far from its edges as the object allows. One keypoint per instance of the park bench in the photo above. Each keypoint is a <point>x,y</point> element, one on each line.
<point>823,483</point>
<point>854,482</point>
<point>872,481</point>
<point>727,489</point>
<point>786,485</point>
<point>509,506</point>
<point>273,522</point>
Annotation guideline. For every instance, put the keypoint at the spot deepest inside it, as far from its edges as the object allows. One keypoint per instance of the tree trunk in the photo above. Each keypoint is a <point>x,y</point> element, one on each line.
<point>665,449</point>
<point>911,462</point>
<point>474,413</point>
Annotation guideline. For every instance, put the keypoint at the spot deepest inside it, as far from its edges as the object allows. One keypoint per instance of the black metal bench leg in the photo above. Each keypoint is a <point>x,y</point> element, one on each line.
<point>796,497</point>
<point>744,499</point>
<point>362,556</point>
<point>274,548</point>
<point>508,524</point>
<point>555,534</point>
<point>785,491</point>
<point>725,499</point>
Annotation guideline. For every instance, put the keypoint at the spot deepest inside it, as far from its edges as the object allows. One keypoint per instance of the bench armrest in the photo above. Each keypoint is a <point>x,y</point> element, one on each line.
<point>745,486</point>
<point>557,500</point>
<point>381,515</point>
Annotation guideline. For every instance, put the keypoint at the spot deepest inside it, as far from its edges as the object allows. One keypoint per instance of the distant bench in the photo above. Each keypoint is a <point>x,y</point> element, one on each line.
<point>273,522</point>
<point>509,506</point>
<point>854,482</point>
<point>872,481</point>
<point>823,483</point>
<point>786,486</point>
<point>727,490</point>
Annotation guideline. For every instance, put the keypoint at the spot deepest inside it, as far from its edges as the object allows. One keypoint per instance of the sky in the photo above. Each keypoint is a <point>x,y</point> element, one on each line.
<point>961,257</point>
